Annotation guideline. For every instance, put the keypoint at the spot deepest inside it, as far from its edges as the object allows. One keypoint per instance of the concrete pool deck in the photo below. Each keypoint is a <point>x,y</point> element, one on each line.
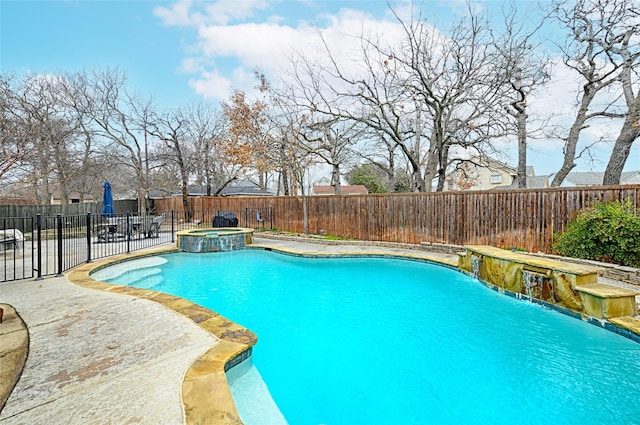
<point>123,356</point>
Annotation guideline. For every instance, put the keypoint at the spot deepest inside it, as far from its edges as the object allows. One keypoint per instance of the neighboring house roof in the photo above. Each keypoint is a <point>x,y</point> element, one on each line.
<point>630,177</point>
<point>200,190</point>
<point>245,191</point>
<point>533,182</point>
<point>357,189</point>
<point>595,178</point>
<point>494,164</point>
<point>74,194</point>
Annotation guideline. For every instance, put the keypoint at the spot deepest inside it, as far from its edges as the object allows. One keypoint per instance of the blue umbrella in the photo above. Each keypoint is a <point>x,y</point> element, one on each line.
<point>107,201</point>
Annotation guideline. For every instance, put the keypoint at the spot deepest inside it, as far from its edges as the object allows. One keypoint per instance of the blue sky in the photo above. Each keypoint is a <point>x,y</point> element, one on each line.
<point>184,51</point>
<point>151,47</point>
<point>68,36</point>
<point>164,50</point>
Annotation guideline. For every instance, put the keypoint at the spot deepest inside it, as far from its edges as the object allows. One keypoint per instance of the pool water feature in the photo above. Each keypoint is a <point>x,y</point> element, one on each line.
<point>386,341</point>
<point>214,240</point>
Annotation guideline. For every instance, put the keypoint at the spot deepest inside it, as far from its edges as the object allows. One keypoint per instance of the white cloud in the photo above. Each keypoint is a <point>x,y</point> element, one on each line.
<point>185,13</point>
<point>212,85</point>
<point>222,12</point>
<point>178,14</point>
<point>251,43</point>
<point>191,65</point>
<point>222,48</point>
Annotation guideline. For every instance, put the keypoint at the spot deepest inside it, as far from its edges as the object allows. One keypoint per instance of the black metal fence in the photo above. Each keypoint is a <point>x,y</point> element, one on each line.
<point>16,254</point>
<point>34,247</point>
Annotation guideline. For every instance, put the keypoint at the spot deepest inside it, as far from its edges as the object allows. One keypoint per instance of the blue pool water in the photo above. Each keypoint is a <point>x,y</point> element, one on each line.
<point>389,341</point>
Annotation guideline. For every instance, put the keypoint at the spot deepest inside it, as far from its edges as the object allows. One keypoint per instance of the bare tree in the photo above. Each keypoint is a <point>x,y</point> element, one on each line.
<point>171,129</point>
<point>525,70</point>
<point>15,129</point>
<point>334,118</point>
<point>295,159</point>
<point>206,130</point>
<point>124,119</point>
<point>423,97</point>
<point>459,87</point>
<point>38,114</point>
<point>592,43</point>
<point>622,41</point>
<point>92,157</point>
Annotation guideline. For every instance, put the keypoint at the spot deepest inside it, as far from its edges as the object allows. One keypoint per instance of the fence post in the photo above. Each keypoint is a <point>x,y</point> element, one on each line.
<point>128,232</point>
<point>172,228</point>
<point>59,230</point>
<point>88,237</point>
<point>39,227</point>
<point>270,218</point>
<point>246,217</point>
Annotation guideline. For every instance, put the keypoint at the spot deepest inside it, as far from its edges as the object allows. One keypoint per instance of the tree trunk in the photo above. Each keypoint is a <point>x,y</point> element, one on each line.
<point>571,142</point>
<point>335,179</point>
<point>629,134</point>
<point>184,177</point>
<point>522,149</point>
<point>285,181</point>
<point>442,167</point>
<point>305,211</point>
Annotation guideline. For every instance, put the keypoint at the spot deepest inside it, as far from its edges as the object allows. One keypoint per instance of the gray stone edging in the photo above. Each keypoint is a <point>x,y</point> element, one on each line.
<point>624,274</point>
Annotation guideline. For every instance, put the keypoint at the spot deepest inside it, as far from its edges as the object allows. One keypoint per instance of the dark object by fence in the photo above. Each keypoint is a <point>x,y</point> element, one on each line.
<point>107,201</point>
<point>225,219</point>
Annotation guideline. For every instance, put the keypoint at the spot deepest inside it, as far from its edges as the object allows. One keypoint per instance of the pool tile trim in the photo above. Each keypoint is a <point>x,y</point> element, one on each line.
<point>453,264</point>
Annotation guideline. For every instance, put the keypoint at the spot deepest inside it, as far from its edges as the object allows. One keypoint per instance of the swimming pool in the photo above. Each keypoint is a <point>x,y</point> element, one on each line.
<point>386,341</point>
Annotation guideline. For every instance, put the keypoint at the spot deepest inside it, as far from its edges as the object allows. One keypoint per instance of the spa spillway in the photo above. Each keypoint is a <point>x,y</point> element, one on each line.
<point>214,239</point>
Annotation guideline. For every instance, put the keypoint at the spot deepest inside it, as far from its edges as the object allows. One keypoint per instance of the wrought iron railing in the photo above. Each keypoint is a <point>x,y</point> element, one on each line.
<point>49,245</point>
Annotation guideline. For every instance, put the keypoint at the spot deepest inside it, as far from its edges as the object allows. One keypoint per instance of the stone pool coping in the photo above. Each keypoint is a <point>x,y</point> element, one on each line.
<point>14,346</point>
<point>205,394</point>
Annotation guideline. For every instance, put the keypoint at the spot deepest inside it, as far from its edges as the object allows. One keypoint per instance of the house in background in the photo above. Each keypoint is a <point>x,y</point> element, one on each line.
<point>533,181</point>
<point>243,188</point>
<point>595,178</point>
<point>357,189</point>
<point>487,173</point>
<point>74,198</point>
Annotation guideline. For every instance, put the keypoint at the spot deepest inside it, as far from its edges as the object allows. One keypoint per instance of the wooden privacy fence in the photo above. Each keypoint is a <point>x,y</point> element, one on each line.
<point>523,219</point>
<point>22,210</point>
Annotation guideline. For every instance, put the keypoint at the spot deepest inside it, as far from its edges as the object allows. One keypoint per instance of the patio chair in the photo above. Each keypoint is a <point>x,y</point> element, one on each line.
<point>151,227</point>
<point>108,230</point>
<point>11,238</point>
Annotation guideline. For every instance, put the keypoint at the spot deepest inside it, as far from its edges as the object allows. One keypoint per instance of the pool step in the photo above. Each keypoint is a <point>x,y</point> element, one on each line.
<point>141,278</point>
<point>147,282</point>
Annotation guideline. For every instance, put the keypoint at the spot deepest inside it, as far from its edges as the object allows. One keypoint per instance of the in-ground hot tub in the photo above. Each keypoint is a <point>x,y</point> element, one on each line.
<point>214,240</point>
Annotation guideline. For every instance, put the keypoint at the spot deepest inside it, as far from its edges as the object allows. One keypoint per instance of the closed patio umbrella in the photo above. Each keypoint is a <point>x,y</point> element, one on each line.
<point>107,201</point>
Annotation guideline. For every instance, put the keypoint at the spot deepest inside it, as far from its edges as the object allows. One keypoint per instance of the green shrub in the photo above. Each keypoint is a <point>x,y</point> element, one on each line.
<point>608,231</point>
